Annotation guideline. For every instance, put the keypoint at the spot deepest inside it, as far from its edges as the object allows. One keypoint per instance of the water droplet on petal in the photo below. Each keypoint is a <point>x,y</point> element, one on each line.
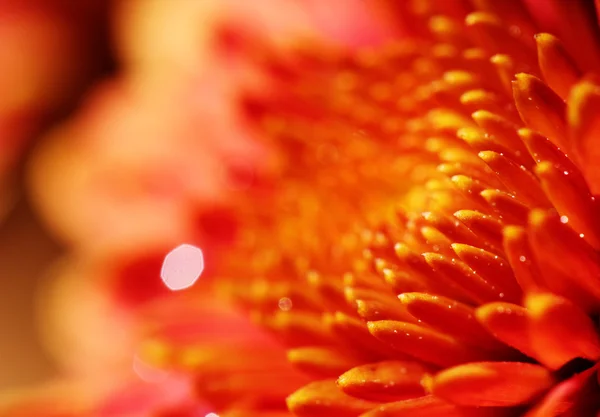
<point>285,304</point>
<point>182,267</point>
<point>564,219</point>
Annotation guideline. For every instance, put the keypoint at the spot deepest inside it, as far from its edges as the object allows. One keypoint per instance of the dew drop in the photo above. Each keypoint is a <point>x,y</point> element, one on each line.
<point>514,31</point>
<point>564,219</point>
<point>522,258</point>
<point>581,235</point>
<point>285,304</point>
<point>501,295</point>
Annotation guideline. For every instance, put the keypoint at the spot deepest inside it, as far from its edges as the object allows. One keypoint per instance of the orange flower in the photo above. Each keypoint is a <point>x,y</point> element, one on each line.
<point>432,247</point>
<point>431,244</point>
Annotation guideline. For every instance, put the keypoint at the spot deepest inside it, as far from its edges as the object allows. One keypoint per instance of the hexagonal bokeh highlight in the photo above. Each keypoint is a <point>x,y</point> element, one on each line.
<point>182,267</point>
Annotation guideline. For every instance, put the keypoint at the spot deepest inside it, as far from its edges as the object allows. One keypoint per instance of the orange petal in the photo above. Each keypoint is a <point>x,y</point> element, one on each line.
<point>508,323</point>
<point>425,344</point>
<point>517,180</point>
<point>438,241</point>
<point>403,281</point>
<point>513,12</point>
<point>583,105</point>
<point>492,268</point>
<point>477,289</point>
<point>503,132</point>
<point>470,189</point>
<point>508,208</point>
<point>416,265</point>
<point>541,109</point>
<point>481,99</point>
<point>542,149</point>
<point>484,226</point>
<point>329,289</point>
<point>377,309</point>
<point>571,264</point>
<point>492,384</point>
<point>480,173</point>
<point>325,399</point>
<point>487,141</point>
<point>506,68</point>
<point>321,361</point>
<point>560,331</point>
<point>520,256</point>
<point>353,333</point>
<point>456,231</point>
<point>385,381</point>
<point>450,317</point>
<point>296,328</point>
<point>430,406</point>
<point>557,66</point>
<point>493,35</point>
<point>577,207</point>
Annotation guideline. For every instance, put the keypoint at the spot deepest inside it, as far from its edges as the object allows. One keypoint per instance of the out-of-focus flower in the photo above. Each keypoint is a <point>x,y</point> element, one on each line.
<point>164,143</point>
<point>430,246</point>
<point>49,50</point>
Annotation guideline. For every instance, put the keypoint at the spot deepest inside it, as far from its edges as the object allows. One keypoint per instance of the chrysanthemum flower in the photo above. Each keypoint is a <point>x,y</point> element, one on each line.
<point>432,245</point>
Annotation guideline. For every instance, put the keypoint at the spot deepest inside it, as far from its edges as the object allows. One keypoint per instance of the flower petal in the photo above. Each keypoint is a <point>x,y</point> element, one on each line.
<point>452,318</point>
<point>321,361</point>
<point>430,406</point>
<point>508,323</point>
<point>325,399</point>
<point>584,124</point>
<point>384,381</point>
<point>560,331</point>
<point>497,384</point>
<point>572,200</point>
<point>558,68</point>
<point>571,266</point>
<point>425,344</point>
<point>541,109</point>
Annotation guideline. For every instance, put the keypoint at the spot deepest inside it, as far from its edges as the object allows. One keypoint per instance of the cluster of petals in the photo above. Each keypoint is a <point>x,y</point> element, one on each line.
<point>431,243</point>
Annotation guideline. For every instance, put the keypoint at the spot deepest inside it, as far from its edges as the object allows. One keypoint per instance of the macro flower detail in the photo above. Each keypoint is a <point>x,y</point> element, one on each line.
<point>433,232</point>
<point>411,226</point>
